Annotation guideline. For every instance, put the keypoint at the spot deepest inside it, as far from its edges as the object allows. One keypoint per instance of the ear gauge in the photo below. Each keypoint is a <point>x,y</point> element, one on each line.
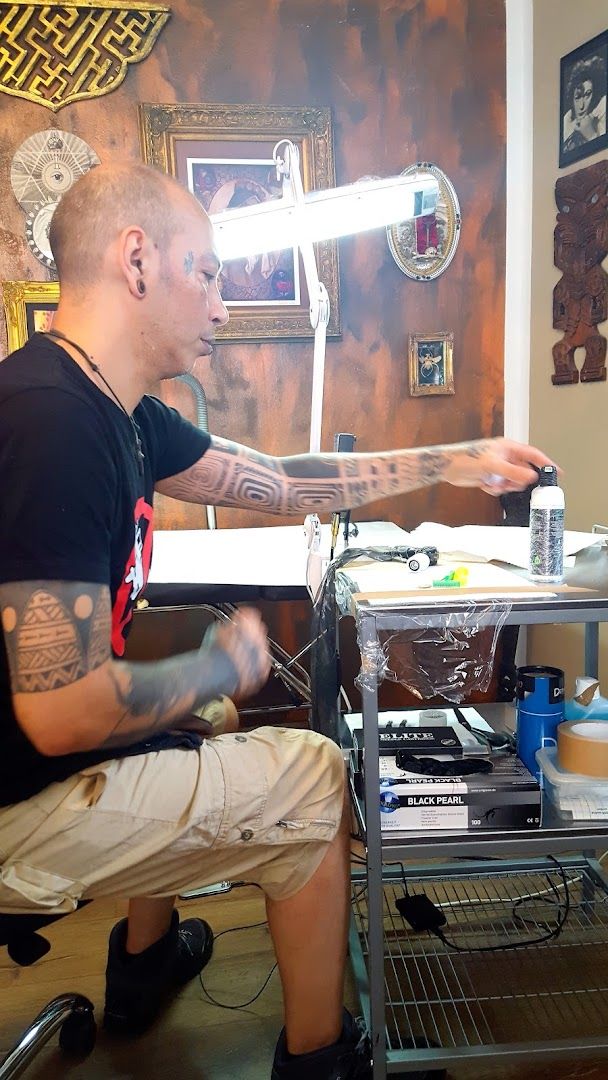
<point>141,287</point>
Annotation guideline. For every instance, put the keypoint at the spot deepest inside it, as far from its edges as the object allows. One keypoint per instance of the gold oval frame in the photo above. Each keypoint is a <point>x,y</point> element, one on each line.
<point>402,236</point>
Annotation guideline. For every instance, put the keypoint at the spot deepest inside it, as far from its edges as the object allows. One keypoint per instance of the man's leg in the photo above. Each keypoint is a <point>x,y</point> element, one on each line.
<point>150,955</point>
<point>149,920</point>
<point>309,931</point>
<point>150,917</point>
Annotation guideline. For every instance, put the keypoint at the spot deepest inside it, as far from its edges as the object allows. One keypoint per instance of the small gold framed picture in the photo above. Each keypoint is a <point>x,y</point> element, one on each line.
<point>430,363</point>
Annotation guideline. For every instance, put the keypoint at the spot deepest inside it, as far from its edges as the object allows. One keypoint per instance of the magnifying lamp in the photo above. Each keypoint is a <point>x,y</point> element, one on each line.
<point>299,218</point>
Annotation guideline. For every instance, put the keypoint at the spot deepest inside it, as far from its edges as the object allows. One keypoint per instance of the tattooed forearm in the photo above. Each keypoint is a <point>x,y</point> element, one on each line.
<point>54,632</point>
<point>233,475</point>
<point>150,698</point>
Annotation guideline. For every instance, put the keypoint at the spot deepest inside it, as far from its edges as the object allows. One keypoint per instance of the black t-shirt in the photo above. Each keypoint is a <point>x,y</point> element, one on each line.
<point>75,505</point>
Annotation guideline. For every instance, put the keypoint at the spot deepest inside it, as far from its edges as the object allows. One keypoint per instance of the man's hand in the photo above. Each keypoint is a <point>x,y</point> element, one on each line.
<point>245,641</point>
<point>494,465</point>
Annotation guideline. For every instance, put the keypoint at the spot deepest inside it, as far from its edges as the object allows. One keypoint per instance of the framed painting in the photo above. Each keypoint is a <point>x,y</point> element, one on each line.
<point>583,90</point>
<point>223,155</point>
<point>431,363</point>
<point>28,306</point>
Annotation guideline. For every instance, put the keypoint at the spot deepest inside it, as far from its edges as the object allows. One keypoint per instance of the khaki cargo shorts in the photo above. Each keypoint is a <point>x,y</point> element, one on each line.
<point>258,807</point>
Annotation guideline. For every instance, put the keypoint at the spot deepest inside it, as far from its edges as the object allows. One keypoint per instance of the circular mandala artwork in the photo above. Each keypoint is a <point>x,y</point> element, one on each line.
<point>37,225</point>
<point>46,165</point>
<point>425,246</point>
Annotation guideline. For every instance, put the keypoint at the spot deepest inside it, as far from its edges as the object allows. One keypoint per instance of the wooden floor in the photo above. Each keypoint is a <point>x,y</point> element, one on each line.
<point>194,1040</point>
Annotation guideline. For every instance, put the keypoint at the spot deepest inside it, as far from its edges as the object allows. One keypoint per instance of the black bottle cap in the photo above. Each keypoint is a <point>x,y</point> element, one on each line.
<point>547,476</point>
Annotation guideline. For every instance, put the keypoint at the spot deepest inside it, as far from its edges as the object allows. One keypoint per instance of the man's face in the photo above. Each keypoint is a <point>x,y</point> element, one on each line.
<point>191,309</point>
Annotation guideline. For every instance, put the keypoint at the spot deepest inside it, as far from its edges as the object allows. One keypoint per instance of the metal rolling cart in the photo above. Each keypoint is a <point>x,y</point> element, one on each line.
<point>428,1006</point>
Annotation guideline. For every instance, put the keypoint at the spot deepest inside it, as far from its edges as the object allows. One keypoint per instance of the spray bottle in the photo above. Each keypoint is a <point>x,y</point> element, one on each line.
<point>547,527</point>
<point>587,703</point>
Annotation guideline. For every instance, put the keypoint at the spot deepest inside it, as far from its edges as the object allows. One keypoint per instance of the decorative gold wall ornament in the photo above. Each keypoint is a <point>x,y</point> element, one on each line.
<point>57,53</point>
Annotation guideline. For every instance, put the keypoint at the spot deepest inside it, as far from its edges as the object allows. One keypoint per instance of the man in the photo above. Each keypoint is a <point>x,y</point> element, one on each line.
<point>105,787</point>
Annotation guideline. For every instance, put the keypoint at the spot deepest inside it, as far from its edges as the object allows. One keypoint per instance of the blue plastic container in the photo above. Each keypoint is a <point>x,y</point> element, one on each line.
<point>539,709</point>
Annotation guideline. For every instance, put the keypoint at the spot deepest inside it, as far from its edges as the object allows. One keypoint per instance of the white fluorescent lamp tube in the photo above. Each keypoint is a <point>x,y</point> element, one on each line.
<point>300,218</point>
<point>354,208</point>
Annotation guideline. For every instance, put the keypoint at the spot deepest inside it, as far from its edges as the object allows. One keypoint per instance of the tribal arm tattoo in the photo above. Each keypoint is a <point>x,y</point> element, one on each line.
<point>229,474</point>
<point>70,695</point>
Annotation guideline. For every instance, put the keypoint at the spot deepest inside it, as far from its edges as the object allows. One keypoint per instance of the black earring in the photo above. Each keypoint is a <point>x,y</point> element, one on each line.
<point>141,287</point>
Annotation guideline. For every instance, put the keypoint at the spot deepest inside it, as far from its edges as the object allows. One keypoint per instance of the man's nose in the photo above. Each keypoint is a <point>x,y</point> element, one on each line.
<point>219,311</point>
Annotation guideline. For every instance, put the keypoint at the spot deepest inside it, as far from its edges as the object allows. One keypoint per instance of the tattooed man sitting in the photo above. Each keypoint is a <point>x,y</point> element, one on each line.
<point>105,787</point>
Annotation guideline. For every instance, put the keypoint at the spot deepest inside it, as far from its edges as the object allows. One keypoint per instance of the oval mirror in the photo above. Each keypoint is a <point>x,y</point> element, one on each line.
<point>424,247</point>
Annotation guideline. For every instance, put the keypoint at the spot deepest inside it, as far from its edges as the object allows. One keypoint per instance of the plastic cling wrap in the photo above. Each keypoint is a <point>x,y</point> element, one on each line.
<point>452,660</point>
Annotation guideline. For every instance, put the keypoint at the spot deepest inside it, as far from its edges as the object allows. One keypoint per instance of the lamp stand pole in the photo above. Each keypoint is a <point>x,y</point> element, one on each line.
<point>287,160</point>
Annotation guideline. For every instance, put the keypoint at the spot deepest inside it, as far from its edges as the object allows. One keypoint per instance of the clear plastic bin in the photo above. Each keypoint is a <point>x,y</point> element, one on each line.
<point>577,797</point>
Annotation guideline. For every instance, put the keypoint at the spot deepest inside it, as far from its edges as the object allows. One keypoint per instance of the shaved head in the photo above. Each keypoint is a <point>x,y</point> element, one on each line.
<point>103,202</point>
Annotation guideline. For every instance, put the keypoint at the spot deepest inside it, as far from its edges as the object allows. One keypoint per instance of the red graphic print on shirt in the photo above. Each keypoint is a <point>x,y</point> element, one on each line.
<point>135,574</point>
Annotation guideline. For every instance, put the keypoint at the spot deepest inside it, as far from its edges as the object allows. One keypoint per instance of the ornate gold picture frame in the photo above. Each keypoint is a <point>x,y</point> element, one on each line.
<point>431,368</point>
<point>223,154</point>
<point>28,306</point>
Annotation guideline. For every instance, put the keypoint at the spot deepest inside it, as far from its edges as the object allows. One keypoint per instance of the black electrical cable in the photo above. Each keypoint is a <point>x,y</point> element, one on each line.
<point>324,668</point>
<point>551,933</point>
<point>244,1004</point>
<point>255,926</point>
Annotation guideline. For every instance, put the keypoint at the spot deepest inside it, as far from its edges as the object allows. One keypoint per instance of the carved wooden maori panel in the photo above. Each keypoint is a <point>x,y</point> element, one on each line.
<point>580,298</point>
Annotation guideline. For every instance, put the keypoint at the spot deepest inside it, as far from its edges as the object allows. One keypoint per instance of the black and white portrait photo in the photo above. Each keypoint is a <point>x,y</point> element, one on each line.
<point>583,92</point>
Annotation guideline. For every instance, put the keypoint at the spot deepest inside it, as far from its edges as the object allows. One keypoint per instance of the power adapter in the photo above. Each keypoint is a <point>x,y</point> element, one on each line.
<point>420,912</point>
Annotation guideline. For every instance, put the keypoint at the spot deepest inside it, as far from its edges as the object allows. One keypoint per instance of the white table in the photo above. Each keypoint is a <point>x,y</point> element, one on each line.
<point>218,568</point>
<point>233,565</point>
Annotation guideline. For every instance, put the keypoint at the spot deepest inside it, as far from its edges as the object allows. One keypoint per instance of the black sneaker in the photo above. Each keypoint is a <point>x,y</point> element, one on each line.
<point>347,1059</point>
<point>138,986</point>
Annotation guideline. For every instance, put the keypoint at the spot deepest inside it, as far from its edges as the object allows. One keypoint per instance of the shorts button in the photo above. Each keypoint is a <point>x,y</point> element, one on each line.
<point>247,834</point>
<point>240,738</point>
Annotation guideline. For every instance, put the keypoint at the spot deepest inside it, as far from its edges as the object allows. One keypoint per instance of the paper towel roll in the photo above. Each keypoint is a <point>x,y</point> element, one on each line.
<point>582,747</point>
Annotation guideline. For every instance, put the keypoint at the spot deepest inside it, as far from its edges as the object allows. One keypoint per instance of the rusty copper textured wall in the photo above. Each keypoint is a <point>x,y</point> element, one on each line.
<point>407,80</point>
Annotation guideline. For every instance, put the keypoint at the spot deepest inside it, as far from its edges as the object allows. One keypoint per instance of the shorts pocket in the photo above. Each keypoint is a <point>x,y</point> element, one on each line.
<point>306,823</point>
<point>302,830</point>
<point>40,888</point>
<point>88,791</point>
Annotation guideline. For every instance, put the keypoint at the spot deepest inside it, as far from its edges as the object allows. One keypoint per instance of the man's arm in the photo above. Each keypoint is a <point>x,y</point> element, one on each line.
<point>232,475</point>
<point>70,695</point>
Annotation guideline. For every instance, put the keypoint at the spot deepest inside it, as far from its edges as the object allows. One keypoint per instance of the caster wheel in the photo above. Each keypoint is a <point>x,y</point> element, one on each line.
<point>78,1033</point>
